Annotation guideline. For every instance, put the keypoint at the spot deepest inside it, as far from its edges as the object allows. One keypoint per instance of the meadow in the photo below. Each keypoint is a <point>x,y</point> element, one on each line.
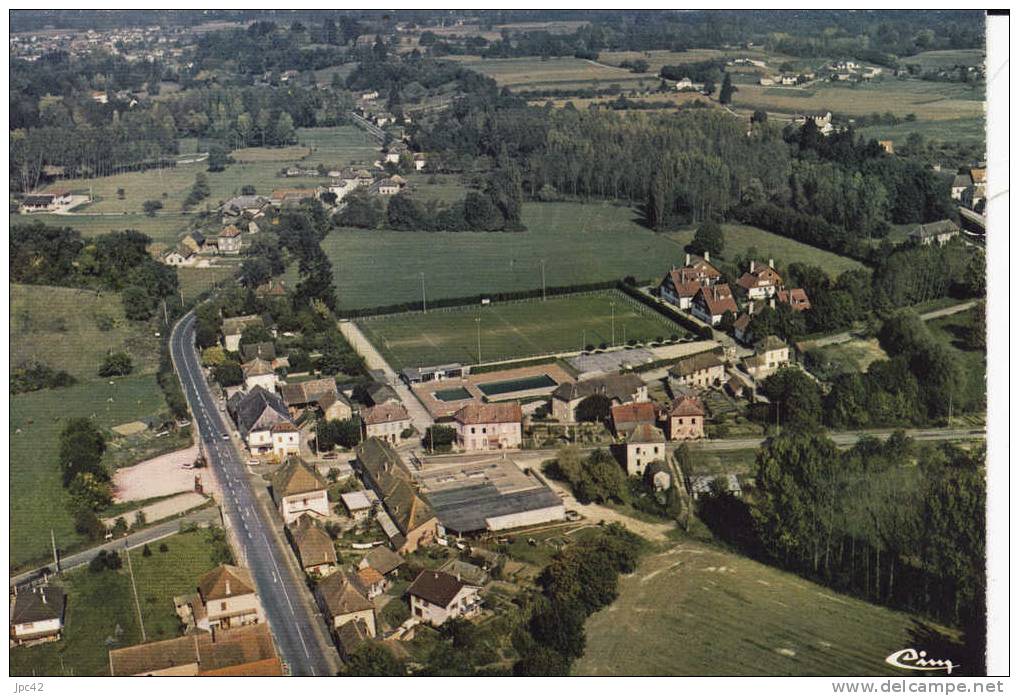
<point>580,243</point>
<point>744,240</point>
<point>685,612</point>
<point>101,612</point>
<point>36,420</point>
<point>516,329</point>
<point>937,60</point>
<point>62,327</point>
<point>856,354</point>
<point>963,130</point>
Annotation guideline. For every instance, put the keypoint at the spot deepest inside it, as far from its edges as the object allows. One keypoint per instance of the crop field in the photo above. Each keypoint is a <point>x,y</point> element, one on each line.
<point>936,60</point>
<point>929,101</point>
<point>62,327</point>
<point>553,73</point>
<point>657,59</point>
<point>100,606</point>
<point>580,243</point>
<point>513,329</point>
<point>36,420</point>
<point>741,240</point>
<point>685,612</point>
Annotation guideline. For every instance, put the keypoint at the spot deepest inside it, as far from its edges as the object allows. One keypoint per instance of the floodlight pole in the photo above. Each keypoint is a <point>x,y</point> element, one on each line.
<point>543,280</point>
<point>424,306</point>
<point>613,306</point>
<point>477,321</point>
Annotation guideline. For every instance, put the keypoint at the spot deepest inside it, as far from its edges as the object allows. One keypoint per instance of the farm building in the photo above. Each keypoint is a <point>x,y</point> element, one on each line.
<point>246,651</point>
<point>940,232</point>
<point>626,417</point>
<point>342,602</point>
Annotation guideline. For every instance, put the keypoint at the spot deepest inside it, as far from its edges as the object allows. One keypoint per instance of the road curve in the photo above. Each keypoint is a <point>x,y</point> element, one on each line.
<point>297,627</point>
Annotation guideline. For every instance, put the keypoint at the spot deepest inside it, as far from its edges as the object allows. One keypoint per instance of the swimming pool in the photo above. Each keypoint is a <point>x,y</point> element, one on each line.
<point>514,385</point>
<point>454,394</point>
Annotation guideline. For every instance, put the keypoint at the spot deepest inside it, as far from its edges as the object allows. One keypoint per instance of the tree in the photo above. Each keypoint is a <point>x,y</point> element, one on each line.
<point>146,551</point>
<point>708,238</point>
<point>81,450</point>
<point>439,436</point>
<point>228,374</point>
<point>115,365</point>
<point>255,272</point>
<point>759,116</point>
<point>373,659</point>
<point>345,433</point>
<point>151,206</point>
<point>481,213</point>
<point>795,399</point>
<point>725,95</point>
<point>594,409</point>
<point>218,158</point>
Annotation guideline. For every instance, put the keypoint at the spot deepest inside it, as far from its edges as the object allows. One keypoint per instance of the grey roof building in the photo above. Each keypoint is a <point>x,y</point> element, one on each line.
<point>259,409</point>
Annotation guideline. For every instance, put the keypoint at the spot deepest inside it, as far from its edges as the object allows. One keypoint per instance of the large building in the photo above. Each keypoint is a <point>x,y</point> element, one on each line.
<point>255,414</point>
<point>711,303</point>
<point>488,426</point>
<point>488,495</point>
<point>700,370</point>
<point>387,421</point>
<point>619,389</point>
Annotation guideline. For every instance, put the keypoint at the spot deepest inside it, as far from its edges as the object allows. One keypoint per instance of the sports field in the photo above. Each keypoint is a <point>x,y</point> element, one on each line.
<point>509,330</point>
<point>686,611</point>
<point>745,240</point>
<point>580,243</point>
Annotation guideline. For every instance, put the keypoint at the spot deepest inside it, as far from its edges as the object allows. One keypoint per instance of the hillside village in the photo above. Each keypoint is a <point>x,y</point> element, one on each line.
<point>429,370</point>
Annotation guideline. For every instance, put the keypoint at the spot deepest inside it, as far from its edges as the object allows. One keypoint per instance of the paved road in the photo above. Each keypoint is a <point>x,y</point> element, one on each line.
<point>296,625</point>
<point>131,541</point>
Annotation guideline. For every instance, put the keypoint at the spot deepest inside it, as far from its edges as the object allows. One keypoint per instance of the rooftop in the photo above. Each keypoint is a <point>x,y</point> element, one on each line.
<point>436,587</point>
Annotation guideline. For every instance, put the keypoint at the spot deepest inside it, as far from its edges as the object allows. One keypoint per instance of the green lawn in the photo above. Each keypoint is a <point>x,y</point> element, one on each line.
<point>513,329</point>
<point>339,146</point>
<point>61,328</point>
<point>952,330</point>
<point>936,60</point>
<point>36,420</point>
<point>580,243</point>
<point>101,612</point>
<point>194,281</point>
<point>740,240</point>
<point>697,610</point>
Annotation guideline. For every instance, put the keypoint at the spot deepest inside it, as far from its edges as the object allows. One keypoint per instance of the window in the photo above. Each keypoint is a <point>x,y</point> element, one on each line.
<point>473,430</point>
<point>222,606</point>
<point>418,612</point>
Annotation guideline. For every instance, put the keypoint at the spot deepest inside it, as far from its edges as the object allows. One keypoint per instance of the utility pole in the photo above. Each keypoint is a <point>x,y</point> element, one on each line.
<point>613,306</point>
<point>56,558</point>
<point>166,318</point>
<point>543,280</point>
<point>424,306</point>
<point>477,320</point>
<point>134,589</point>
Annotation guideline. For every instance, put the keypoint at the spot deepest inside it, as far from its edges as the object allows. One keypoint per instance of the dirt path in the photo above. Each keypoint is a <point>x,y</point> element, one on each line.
<point>157,477</point>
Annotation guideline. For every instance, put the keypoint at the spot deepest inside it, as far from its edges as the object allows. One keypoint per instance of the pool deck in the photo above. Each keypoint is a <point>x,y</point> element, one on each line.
<point>441,409</point>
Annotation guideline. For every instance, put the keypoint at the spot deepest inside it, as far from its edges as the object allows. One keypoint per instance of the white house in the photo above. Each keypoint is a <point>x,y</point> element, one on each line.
<point>299,489</point>
<point>228,599</point>
<point>37,614</point>
<point>259,373</point>
<point>436,597</point>
<point>761,282</point>
<point>386,421</point>
<point>255,414</point>
<point>488,426</point>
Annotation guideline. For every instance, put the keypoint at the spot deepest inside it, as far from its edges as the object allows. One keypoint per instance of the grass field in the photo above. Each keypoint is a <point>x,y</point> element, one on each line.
<point>856,354</point>
<point>163,229</point>
<point>513,329</point>
<point>930,101</point>
<point>686,612</point>
<point>339,146</point>
<point>99,603</point>
<point>741,240</point>
<point>963,130</point>
<point>936,60</point>
<point>580,243</point>
<point>951,330</point>
<point>36,420</point>
<point>60,327</point>
<point>194,281</point>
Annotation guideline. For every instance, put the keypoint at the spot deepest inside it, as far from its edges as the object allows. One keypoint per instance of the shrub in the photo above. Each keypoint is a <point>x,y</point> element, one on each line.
<point>116,364</point>
<point>163,548</point>
<point>151,206</point>
<point>146,551</point>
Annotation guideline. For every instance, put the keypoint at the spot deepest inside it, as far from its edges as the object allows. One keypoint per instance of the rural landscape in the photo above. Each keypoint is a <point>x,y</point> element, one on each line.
<point>497,343</point>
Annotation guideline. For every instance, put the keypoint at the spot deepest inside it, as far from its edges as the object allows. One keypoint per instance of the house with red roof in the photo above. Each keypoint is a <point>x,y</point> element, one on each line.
<point>713,301</point>
<point>761,282</point>
<point>795,298</point>
<point>686,419</point>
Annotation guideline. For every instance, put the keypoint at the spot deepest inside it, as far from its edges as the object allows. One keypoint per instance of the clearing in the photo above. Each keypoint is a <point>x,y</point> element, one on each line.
<point>515,329</point>
<point>686,611</point>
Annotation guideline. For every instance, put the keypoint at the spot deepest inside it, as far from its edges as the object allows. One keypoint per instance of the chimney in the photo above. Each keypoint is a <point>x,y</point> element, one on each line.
<point>707,255</point>
<point>688,259</point>
<point>228,587</point>
<point>753,264</point>
<point>771,264</point>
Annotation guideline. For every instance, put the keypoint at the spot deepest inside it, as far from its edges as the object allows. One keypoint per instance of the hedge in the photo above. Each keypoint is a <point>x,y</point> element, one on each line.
<point>667,310</point>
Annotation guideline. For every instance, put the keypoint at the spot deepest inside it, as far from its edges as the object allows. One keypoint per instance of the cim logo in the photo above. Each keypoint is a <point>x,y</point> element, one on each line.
<point>912,659</point>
